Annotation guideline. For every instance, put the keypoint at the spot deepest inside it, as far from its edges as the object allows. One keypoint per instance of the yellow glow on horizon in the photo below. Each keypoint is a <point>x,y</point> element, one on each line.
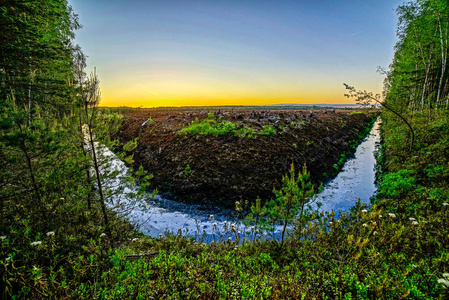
<point>192,92</point>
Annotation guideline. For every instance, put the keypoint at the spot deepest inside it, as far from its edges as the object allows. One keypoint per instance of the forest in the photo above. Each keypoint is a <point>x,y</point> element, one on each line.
<point>59,239</point>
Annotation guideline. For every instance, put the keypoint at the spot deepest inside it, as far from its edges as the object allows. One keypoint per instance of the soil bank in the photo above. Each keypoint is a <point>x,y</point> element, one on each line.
<point>228,168</point>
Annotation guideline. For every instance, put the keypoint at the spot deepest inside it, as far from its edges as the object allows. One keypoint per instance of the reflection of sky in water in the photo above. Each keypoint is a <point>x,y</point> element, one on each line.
<point>356,180</point>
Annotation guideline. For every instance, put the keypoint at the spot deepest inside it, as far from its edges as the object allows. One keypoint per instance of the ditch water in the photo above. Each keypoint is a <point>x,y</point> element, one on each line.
<point>159,215</point>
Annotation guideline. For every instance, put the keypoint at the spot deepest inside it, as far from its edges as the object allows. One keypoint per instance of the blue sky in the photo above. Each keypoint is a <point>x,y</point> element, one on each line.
<point>163,53</point>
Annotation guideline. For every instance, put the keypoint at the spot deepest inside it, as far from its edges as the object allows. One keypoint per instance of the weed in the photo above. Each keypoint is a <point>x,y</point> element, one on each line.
<point>267,130</point>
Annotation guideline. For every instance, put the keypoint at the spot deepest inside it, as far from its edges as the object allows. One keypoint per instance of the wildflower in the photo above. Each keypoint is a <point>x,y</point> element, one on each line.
<point>235,248</point>
<point>229,239</point>
<point>375,232</point>
<point>102,235</point>
<point>415,223</point>
<point>134,239</point>
<point>392,215</point>
<point>253,228</point>
<point>160,235</point>
<point>211,217</point>
<point>7,259</point>
<point>412,219</point>
<point>232,226</point>
<point>36,243</point>
<point>445,204</point>
<point>239,232</point>
<point>364,211</point>
<point>225,222</point>
<point>257,231</point>
<point>330,223</point>
<point>3,237</point>
<point>380,216</point>
<point>50,233</point>
<point>215,224</point>
<point>364,224</point>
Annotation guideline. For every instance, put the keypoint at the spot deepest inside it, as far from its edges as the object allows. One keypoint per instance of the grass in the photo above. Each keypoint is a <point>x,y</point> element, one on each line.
<point>210,126</point>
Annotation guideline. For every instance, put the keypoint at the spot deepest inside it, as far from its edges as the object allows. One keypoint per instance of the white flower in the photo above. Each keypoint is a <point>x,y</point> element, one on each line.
<point>330,223</point>
<point>380,216</point>
<point>134,239</point>
<point>253,227</point>
<point>364,211</point>
<point>50,233</point>
<point>415,223</point>
<point>229,239</point>
<point>225,222</point>
<point>412,219</point>
<point>375,232</point>
<point>62,198</point>
<point>392,215</point>
<point>257,231</point>
<point>211,217</point>
<point>160,235</point>
<point>7,259</point>
<point>239,232</point>
<point>102,235</point>
<point>445,204</point>
<point>235,248</point>
<point>215,224</point>
<point>36,243</point>
<point>232,226</point>
<point>364,224</point>
<point>3,237</point>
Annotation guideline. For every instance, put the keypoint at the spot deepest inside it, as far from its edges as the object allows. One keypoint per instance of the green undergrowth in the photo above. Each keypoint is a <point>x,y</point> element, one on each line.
<point>212,126</point>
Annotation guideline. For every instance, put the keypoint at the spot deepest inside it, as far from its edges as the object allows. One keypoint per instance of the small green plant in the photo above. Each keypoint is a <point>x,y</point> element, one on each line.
<point>267,130</point>
<point>187,170</point>
<point>288,205</point>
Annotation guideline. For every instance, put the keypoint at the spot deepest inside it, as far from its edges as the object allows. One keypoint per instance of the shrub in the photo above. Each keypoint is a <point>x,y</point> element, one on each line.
<point>267,130</point>
<point>396,184</point>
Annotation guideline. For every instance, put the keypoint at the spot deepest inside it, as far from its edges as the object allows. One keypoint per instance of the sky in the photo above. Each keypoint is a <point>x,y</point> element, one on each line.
<point>235,52</point>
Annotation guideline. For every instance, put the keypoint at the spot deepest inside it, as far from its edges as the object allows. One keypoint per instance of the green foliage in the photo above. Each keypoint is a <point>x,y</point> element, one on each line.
<point>396,184</point>
<point>267,130</point>
<point>288,205</point>
<point>209,126</point>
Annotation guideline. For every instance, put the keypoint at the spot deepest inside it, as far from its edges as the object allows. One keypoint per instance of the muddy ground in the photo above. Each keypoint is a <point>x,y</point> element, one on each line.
<point>225,169</point>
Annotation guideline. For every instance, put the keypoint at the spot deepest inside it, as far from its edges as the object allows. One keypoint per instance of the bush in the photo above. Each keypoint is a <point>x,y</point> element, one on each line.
<point>397,184</point>
<point>267,130</point>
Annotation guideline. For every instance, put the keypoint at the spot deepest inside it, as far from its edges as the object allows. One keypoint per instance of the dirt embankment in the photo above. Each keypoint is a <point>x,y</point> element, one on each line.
<point>225,169</point>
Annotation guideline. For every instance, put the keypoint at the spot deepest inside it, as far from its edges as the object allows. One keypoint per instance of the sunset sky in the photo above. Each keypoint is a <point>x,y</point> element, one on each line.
<point>180,53</point>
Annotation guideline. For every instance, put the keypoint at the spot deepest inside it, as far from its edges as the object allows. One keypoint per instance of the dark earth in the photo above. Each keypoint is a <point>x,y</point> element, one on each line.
<point>225,169</point>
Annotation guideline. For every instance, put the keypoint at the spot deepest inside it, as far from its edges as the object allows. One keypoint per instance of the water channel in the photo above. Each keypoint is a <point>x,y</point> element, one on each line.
<point>355,180</point>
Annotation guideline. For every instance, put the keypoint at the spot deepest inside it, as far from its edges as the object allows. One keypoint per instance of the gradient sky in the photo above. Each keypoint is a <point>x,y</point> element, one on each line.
<point>177,53</point>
